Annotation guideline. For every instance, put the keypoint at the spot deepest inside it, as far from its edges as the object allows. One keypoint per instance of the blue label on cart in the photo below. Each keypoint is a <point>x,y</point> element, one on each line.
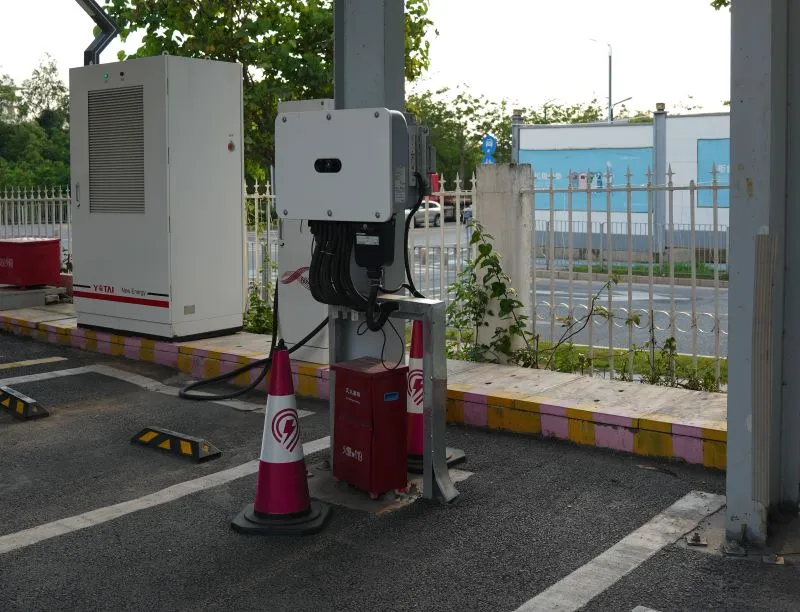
<point>391,397</point>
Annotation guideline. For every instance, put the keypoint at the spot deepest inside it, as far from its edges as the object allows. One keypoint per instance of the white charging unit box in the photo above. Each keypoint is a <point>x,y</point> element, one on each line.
<point>157,189</point>
<point>341,165</point>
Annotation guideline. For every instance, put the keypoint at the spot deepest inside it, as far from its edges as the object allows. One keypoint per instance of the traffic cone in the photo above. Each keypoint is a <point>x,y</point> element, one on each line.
<point>414,407</point>
<point>282,505</point>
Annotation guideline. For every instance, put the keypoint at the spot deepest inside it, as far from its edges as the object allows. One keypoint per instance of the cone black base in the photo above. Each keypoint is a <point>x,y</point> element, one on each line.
<point>248,522</point>
<point>453,456</point>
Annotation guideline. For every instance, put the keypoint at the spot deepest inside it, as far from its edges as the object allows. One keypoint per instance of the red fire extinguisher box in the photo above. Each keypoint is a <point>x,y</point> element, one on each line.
<point>30,262</point>
<point>369,430</point>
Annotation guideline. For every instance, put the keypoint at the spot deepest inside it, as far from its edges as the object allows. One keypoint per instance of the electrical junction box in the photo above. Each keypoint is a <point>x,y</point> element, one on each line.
<point>342,165</point>
<point>370,428</point>
<point>156,152</point>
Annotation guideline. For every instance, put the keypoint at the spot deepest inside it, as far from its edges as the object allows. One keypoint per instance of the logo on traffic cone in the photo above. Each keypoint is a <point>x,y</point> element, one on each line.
<point>282,504</point>
<point>415,407</point>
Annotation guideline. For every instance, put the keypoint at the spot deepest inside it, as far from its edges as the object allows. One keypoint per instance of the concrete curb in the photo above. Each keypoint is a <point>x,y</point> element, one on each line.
<point>466,405</point>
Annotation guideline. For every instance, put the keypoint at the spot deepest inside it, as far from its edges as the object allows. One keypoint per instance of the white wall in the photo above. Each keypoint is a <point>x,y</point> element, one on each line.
<point>586,136</point>
<point>683,132</point>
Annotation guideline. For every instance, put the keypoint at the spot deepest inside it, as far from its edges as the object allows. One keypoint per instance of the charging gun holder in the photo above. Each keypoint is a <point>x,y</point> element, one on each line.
<point>436,481</point>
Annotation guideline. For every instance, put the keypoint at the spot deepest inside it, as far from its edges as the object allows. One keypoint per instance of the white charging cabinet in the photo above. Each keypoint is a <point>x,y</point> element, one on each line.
<point>157,189</point>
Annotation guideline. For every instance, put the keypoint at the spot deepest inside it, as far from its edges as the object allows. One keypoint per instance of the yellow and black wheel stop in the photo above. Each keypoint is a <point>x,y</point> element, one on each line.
<point>20,406</point>
<point>169,441</point>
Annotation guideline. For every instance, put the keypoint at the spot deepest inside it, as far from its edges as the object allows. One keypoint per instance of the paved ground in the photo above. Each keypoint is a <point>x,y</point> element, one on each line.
<point>532,512</point>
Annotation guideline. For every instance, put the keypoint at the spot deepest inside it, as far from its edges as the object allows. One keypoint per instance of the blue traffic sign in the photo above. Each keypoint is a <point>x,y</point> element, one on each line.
<point>488,146</point>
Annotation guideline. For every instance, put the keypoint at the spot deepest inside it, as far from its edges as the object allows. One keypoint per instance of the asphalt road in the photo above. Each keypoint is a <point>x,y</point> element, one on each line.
<point>532,512</point>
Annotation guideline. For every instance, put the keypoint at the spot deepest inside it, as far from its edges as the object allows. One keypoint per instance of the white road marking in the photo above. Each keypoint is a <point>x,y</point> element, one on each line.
<point>30,362</point>
<point>34,535</point>
<point>589,581</point>
<point>19,380</point>
<point>136,379</point>
<point>643,609</point>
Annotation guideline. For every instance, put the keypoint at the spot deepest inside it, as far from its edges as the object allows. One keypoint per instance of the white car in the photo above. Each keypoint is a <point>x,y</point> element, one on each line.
<point>434,214</point>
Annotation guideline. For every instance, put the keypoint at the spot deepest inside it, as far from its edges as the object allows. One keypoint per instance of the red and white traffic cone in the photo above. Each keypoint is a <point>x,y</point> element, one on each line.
<point>282,504</point>
<point>415,404</point>
<point>416,380</point>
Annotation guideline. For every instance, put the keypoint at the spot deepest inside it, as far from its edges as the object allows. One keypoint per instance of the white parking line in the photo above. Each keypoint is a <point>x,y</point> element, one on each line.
<point>28,537</point>
<point>643,609</point>
<point>30,362</point>
<point>136,379</point>
<point>589,581</point>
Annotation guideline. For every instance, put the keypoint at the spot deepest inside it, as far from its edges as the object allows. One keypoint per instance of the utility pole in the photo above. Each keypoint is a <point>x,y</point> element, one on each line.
<point>610,105</point>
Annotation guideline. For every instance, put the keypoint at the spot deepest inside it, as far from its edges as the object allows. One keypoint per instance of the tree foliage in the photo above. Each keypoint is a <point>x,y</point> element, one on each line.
<point>718,4</point>
<point>34,137</point>
<point>459,120</point>
<point>284,46</point>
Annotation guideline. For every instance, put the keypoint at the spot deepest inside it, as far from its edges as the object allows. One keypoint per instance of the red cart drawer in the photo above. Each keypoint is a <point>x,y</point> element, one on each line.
<point>29,262</point>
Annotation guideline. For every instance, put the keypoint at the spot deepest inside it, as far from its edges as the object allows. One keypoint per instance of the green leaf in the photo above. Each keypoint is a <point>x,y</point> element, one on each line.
<point>498,289</point>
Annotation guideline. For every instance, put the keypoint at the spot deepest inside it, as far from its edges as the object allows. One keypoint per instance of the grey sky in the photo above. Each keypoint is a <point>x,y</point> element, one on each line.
<point>529,51</point>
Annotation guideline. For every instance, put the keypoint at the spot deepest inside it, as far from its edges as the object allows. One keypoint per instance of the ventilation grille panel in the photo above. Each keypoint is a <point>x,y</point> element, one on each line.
<point>116,150</point>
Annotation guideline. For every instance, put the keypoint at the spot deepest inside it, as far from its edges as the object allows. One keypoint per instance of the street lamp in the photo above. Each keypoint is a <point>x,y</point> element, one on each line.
<point>610,106</point>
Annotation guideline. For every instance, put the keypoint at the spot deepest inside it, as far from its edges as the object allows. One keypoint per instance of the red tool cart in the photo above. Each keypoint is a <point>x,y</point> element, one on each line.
<point>30,262</point>
<point>370,425</point>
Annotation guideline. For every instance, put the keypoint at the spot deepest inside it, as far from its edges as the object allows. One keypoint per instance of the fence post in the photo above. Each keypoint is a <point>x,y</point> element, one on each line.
<point>516,122</point>
<point>660,166</point>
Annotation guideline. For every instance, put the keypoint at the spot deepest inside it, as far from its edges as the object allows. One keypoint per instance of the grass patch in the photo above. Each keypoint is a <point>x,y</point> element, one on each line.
<point>682,270</point>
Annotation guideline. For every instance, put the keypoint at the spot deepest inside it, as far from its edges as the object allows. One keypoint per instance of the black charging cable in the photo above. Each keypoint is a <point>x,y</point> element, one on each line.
<point>265,364</point>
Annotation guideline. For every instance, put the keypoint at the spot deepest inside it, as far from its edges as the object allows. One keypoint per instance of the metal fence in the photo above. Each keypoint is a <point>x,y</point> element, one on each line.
<point>36,211</point>
<point>677,289</point>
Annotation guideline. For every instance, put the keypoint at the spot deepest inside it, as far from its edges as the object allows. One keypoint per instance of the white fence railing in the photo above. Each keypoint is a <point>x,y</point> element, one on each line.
<point>39,211</point>
<point>673,276</point>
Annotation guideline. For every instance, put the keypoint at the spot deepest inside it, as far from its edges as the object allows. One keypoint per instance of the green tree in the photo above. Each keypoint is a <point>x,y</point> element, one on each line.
<point>459,120</point>
<point>8,97</point>
<point>718,4</point>
<point>34,138</point>
<point>284,46</point>
<point>44,93</point>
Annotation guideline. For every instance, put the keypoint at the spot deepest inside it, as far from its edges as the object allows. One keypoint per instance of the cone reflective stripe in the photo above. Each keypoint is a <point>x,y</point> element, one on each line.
<point>282,504</point>
<point>415,406</point>
<point>416,384</point>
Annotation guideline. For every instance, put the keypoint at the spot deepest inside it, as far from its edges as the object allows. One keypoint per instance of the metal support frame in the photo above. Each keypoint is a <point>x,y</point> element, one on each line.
<point>436,481</point>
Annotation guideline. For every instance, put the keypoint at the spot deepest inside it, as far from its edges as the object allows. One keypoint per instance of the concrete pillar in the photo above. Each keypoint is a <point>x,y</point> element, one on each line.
<point>504,206</point>
<point>761,460</point>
